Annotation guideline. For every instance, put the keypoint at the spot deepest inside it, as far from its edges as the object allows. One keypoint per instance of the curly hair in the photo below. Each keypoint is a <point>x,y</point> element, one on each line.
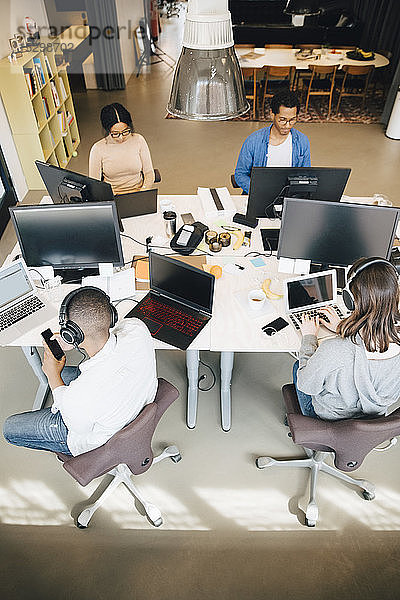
<point>284,98</point>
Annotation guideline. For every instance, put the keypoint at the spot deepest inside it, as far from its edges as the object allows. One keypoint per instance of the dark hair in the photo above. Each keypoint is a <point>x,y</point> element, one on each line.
<point>376,314</point>
<point>115,113</point>
<point>284,98</point>
<point>90,309</point>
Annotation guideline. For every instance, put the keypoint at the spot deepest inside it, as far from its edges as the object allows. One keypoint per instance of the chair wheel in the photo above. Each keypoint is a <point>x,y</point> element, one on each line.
<point>310,523</point>
<point>368,495</point>
<point>176,458</point>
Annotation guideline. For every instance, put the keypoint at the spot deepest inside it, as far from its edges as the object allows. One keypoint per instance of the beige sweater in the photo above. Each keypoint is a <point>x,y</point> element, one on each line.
<point>122,165</point>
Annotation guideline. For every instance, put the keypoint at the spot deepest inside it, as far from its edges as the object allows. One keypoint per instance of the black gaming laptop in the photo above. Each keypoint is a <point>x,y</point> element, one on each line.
<point>179,303</point>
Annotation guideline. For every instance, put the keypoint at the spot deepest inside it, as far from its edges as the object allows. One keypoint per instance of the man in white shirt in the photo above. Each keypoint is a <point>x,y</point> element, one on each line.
<point>114,384</point>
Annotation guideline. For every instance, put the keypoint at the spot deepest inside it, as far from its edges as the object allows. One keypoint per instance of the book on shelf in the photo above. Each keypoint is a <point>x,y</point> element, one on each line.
<point>62,121</point>
<point>55,94</point>
<point>48,67</point>
<point>67,154</point>
<point>29,84</point>
<point>52,138</point>
<point>46,107</point>
<point>30,81</point>
<point>62,88</point>
<point>70,118</point>
<point>39,70</point>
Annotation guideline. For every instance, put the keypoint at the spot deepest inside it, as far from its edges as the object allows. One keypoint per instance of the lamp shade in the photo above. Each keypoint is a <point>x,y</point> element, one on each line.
<point>302,7</point>
<point>208,83</point>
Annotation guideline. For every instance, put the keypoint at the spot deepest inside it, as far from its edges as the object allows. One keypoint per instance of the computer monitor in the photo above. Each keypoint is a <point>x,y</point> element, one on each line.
<point>72,238</point>
<point>269,185</point>
<point>66,186</point>
<point>335,233</point>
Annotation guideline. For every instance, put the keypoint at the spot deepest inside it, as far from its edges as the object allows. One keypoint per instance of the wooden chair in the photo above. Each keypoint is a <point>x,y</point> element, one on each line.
<point>245,46</point>
<point>355,82</point>
<point>279,46</point>
<point>275,78</point>
<point>308,46</point>
<point>251,84</point>
<point>321,86</point>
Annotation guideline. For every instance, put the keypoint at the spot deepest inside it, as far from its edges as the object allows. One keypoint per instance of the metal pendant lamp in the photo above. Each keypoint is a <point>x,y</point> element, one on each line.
<point>208,82</point>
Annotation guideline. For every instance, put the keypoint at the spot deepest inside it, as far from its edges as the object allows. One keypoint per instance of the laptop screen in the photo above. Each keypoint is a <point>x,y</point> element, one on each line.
<point>14,283</point>
<point>311,291</point>
<point>181,282</point>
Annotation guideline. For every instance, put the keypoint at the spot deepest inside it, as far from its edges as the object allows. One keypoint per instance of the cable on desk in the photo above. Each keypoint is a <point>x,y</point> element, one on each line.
<point>116,302</point>
<point>204,376</point>
<point>43,281</point>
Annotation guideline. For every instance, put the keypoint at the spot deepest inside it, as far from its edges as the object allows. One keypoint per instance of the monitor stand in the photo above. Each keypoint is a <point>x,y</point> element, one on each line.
<point>245,220</point>
<point>75,275</point>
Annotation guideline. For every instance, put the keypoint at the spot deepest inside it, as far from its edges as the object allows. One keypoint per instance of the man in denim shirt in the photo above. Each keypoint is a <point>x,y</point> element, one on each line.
<point>278,145</point>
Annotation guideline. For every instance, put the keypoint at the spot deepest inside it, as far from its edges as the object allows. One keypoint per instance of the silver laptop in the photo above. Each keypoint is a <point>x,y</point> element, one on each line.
<point>309,293</point>
<point>21,307</point>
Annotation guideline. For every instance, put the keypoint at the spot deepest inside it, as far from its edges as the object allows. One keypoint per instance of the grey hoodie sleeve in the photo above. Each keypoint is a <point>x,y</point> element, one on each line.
<point>314,365</point>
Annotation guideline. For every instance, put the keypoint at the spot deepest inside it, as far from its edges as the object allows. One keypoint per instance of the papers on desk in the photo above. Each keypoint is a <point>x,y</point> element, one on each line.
<point>216,202</point>
<point>120,285</point>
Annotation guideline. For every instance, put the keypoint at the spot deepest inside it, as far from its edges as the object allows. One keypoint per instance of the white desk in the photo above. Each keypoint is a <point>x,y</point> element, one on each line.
<point>232,327</point>
<point>287,58</point>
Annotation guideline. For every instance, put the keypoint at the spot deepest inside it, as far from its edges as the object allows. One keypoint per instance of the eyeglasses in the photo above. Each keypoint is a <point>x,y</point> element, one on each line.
<point>117,134</point>
<point>283,121</point>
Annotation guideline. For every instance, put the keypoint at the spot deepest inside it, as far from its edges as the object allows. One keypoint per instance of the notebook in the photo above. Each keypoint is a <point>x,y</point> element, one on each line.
<point>179,303</point>
<point>21,307</point>
<point>309,293</point>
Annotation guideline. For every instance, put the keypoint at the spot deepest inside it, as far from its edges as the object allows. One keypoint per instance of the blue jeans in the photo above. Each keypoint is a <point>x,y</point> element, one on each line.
<point>305,401</point>
<point>40,429</point>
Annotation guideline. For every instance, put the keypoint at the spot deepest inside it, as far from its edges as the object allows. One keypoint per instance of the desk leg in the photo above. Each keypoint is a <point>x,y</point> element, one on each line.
<point>192,365</point>
<point>226,377</point>
<point>33,358</point>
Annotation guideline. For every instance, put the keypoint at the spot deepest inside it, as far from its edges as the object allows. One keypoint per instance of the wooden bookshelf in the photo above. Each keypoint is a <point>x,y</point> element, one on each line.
<point>37,98</point>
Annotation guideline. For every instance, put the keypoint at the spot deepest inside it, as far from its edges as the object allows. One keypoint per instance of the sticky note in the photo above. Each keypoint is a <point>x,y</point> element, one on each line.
<point>258,261</point>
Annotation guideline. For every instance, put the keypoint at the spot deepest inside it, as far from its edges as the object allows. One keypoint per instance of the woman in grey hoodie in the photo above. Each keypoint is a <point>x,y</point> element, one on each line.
<point>358,372</point>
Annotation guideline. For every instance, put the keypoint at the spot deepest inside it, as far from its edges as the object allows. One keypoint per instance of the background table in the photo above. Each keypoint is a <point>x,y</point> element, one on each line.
<point>287,58</point>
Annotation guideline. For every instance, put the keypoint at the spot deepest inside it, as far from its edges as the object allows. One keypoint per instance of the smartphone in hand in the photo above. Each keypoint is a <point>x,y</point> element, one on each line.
<point>53,345</point>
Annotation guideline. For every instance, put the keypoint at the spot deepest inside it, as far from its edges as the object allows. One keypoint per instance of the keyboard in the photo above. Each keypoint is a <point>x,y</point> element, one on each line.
<point>20,311</point>
<point>171,316</point>
<point>296,317</point>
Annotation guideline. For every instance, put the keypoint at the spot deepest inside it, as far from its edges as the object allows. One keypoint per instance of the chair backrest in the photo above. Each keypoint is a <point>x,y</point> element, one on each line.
<point>272,71</point>
<point>350,439</point>
<point>249,46</point>
<point>131,445</point>
<point>279,46</point>
<point>322,69</point>
<point>358,69</point>
<point>308,46</point>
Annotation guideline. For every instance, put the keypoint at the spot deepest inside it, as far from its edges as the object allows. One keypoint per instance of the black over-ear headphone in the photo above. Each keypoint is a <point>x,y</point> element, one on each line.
<point>70,332</point>
<point>348,297</point>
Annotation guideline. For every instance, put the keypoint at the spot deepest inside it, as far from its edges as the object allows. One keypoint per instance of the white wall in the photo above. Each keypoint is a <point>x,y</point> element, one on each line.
<point>12,16</point>
<point>129,12</point>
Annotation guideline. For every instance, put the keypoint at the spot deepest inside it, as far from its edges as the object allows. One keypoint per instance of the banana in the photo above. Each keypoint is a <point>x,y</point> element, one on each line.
<point>239,239</point>
<point>267,291</point>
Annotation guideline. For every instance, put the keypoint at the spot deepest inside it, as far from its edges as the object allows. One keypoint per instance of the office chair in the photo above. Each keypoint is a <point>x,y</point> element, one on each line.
<point>128,452</point>
<point>350,440</point>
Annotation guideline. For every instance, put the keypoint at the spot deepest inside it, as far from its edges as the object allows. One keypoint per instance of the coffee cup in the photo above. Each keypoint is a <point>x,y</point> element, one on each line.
<point>256,299</point>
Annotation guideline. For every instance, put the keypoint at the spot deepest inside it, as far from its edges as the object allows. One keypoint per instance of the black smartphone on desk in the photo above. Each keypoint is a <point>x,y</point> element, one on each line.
<point>275,326</point>
<point>53,345</point>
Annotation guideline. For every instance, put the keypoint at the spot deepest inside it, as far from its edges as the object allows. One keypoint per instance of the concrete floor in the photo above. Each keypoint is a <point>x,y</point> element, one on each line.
<point>230,531</point>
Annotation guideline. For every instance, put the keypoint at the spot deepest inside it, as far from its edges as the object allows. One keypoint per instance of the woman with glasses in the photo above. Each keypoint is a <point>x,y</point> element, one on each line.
<point>122,158</point>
